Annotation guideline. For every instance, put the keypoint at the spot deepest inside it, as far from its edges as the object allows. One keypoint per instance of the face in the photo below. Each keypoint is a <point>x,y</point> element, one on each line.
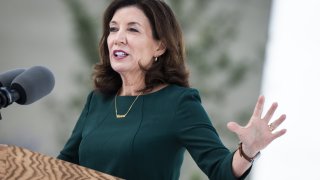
<point>130,41</point>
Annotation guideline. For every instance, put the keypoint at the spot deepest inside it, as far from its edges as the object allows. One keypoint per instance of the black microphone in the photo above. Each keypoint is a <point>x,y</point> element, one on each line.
<point>28,87</point>
<point>7,77</point>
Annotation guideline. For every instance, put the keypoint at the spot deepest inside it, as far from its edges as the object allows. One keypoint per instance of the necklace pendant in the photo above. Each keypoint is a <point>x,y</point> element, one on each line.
<point>119,116</point>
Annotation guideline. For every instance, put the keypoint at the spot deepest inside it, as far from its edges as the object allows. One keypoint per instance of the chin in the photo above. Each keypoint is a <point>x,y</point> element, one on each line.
<point>120,68</point>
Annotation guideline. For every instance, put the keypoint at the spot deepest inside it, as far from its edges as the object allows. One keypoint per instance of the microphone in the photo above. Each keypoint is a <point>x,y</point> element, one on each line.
<point>33,84</point>
<point>7,77</point>
<point>28,87</point>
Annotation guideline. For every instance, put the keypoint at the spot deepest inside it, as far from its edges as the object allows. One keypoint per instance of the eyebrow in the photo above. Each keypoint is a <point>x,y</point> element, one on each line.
<point>130,23</point>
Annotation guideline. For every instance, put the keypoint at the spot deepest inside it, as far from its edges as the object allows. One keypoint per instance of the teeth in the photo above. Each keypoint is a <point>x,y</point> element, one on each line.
<point>121,54</point>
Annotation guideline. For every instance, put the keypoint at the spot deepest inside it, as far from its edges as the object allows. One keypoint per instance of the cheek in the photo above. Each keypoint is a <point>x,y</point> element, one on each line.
<point>148,53</point>
<point>109,42</point>
<point>146,61</point>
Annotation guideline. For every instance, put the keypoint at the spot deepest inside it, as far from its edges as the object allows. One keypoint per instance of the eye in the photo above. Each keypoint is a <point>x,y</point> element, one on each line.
<point>113,29</point>
<point>133,30</point>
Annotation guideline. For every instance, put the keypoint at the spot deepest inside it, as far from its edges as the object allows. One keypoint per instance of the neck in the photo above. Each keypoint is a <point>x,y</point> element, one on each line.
<point>131,84</point>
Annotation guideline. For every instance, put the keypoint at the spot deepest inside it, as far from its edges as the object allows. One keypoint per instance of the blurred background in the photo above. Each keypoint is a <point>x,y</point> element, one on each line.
<point>226,44</point>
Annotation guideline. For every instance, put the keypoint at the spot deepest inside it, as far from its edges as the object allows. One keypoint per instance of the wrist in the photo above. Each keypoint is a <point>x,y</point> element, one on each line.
<point>250,157</point>
<point>248,150</point>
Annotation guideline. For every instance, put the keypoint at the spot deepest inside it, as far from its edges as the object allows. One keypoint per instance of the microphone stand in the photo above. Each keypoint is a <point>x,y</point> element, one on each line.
<point>2,99</point>
<point>6,98</point>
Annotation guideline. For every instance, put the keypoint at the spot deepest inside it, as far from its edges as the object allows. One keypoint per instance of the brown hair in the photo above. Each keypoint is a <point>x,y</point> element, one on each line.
<point>170,67</point>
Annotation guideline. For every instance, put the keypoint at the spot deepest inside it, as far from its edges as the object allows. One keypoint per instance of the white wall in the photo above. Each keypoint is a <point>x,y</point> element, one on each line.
<point>291,77</point>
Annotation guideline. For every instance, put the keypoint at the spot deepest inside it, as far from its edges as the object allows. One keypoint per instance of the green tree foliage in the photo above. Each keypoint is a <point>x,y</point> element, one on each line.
<point>213,69</point>
<point>86,32</point>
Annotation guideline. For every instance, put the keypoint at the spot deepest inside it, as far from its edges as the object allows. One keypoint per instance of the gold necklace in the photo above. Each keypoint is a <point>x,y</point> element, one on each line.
<point>119,116</point>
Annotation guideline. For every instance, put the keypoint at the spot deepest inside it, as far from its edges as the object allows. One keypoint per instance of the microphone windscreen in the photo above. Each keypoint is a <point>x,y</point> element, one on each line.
<point>7,77</point>
<point>33,84</point>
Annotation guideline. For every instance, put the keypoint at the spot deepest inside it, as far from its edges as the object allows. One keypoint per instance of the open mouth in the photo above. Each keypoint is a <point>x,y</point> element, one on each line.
<point>120,54</point>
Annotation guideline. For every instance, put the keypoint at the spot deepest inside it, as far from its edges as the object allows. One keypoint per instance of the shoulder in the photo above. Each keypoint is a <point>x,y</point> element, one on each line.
<point>173,97</point>
<point>97,95</point>
<point>180,98</point>
<point>189,111</point>
<point>185,93</point>
<point>95,98</point>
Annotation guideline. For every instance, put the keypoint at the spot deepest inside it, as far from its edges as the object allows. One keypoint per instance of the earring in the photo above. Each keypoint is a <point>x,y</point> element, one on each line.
<point>156,59</point>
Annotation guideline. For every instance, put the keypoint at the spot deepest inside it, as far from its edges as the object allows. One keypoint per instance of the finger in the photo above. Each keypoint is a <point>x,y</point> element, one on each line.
<point>270,112</point>
<point>278,122</point>
<point>234,127</point>
<point>259,107</point>
<point>278,134</point>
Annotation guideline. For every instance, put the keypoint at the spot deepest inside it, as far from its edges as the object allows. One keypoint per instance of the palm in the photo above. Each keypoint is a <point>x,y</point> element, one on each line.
<point>257,134</point>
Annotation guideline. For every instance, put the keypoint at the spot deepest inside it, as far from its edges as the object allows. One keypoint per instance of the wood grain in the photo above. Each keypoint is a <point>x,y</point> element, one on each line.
<point>19,163</point>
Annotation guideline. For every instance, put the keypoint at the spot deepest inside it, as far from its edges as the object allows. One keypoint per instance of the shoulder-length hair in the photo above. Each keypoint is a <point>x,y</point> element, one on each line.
<point>170,68</point>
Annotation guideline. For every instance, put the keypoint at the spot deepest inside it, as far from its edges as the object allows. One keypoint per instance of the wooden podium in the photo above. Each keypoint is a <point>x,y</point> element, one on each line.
<point>18,163</point>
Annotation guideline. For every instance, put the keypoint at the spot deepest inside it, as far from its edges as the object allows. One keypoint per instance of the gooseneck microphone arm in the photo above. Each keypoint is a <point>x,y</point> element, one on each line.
<point>7,97</point>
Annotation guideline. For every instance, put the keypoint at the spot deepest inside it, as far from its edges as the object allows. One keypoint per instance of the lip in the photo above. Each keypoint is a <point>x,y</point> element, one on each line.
<point>119,51</point>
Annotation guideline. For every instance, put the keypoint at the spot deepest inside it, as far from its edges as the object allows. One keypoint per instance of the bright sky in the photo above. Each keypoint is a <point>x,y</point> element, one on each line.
<point>292,78</point>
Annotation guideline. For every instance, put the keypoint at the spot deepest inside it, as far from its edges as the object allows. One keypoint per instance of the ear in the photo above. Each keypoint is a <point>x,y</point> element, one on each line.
<point>161,49</point>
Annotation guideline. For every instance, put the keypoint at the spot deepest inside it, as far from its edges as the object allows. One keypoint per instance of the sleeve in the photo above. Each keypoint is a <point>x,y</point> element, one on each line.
<point>196,133</point>
<point>70,152</point>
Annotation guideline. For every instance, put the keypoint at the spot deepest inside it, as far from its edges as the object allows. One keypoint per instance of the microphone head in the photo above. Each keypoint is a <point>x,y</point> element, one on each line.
<point>7,77</point>
<point>33,84</point>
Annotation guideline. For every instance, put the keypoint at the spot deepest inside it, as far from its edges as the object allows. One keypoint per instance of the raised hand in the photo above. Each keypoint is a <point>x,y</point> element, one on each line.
<point>259,132</point>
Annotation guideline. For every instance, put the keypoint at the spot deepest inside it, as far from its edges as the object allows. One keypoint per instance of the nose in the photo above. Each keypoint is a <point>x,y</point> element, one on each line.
<point>120,38</point>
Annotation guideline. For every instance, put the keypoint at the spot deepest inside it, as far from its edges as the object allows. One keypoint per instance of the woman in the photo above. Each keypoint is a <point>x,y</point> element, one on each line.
<point>142,115</point>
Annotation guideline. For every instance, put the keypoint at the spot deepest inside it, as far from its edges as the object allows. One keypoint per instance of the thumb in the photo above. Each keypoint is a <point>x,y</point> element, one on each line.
<point>234,127</point>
